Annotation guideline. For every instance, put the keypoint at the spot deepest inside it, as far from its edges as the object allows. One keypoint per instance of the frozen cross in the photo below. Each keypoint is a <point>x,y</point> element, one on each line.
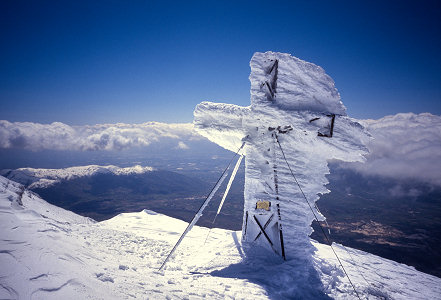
<point>295,108</point>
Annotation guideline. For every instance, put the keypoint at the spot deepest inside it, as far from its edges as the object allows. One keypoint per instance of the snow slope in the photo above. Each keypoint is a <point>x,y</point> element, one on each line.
<point>50,253</point>
<point>42,178</point>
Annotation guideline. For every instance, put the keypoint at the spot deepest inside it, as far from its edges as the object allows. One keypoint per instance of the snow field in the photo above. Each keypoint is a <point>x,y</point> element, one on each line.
<point>49,253</point>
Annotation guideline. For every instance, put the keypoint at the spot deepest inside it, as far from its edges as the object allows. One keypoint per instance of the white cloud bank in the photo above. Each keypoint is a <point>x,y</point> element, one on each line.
<point>404,146</point>
<point>59,136</point>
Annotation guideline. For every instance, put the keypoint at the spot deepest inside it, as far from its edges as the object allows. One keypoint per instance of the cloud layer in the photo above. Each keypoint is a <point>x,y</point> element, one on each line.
<point>59,136</point>
<point>404,146</point>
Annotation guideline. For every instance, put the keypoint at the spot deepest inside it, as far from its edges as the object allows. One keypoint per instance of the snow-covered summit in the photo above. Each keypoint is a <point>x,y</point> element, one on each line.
<point>49,253</point>
<point>42,178</point>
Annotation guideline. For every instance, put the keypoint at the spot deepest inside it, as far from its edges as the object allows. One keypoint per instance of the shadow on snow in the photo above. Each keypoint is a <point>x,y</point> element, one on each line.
<point>291,279</point>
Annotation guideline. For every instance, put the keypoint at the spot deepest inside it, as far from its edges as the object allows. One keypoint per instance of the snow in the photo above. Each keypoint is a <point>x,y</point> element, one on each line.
<point>50,253</point>
<point>300,85</point>
<point>43,178</point>
<point>290,94</point>
<point>196,217</point>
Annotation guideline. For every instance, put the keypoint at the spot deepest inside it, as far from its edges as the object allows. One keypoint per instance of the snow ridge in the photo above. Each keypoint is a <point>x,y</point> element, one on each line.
<point>43,178</point>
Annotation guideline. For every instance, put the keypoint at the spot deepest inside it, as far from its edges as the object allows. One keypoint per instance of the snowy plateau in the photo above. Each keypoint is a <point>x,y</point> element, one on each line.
<point>50,253</point>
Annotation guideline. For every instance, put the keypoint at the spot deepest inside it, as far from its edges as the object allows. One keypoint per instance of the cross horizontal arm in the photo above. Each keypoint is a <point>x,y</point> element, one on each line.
<point>221,123</point>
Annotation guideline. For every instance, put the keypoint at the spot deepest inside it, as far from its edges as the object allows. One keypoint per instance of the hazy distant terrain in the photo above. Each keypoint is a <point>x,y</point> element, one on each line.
<point>399,220</point>
<point>103,196</point>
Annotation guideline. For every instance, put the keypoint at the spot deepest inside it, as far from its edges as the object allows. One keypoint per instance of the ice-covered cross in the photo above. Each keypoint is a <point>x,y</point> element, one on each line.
<point>295,113</point>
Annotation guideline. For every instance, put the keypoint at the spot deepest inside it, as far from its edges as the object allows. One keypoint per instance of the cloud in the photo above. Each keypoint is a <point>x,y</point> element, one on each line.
<point>182,146</point>
<point>59,136</point>
<point>405,146</point>
<point>399,191</point>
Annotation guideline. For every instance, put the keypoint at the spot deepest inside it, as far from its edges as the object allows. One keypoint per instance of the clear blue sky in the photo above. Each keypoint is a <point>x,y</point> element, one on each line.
<point>88,62</point>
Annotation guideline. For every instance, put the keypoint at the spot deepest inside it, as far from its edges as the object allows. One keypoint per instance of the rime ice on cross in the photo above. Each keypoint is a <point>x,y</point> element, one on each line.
<point>295,103</point>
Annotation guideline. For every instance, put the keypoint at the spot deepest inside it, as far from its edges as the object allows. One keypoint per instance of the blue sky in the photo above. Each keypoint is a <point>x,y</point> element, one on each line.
<point>88,62</point>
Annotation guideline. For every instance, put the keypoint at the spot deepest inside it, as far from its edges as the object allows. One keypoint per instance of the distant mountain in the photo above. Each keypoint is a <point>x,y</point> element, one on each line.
<point>101,192</point>
<point>43,178</point>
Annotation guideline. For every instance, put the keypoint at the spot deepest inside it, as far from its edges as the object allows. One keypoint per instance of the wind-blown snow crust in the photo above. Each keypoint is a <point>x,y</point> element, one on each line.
<point>50,253</point>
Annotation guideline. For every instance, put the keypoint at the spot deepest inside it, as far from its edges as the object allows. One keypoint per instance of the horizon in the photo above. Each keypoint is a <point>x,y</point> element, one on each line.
<point>99,63</point>
<point>126,125</point>
<point>59,75</point>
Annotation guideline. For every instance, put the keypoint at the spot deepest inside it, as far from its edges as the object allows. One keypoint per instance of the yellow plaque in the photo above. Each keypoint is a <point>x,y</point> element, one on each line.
<point>263,205</point>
